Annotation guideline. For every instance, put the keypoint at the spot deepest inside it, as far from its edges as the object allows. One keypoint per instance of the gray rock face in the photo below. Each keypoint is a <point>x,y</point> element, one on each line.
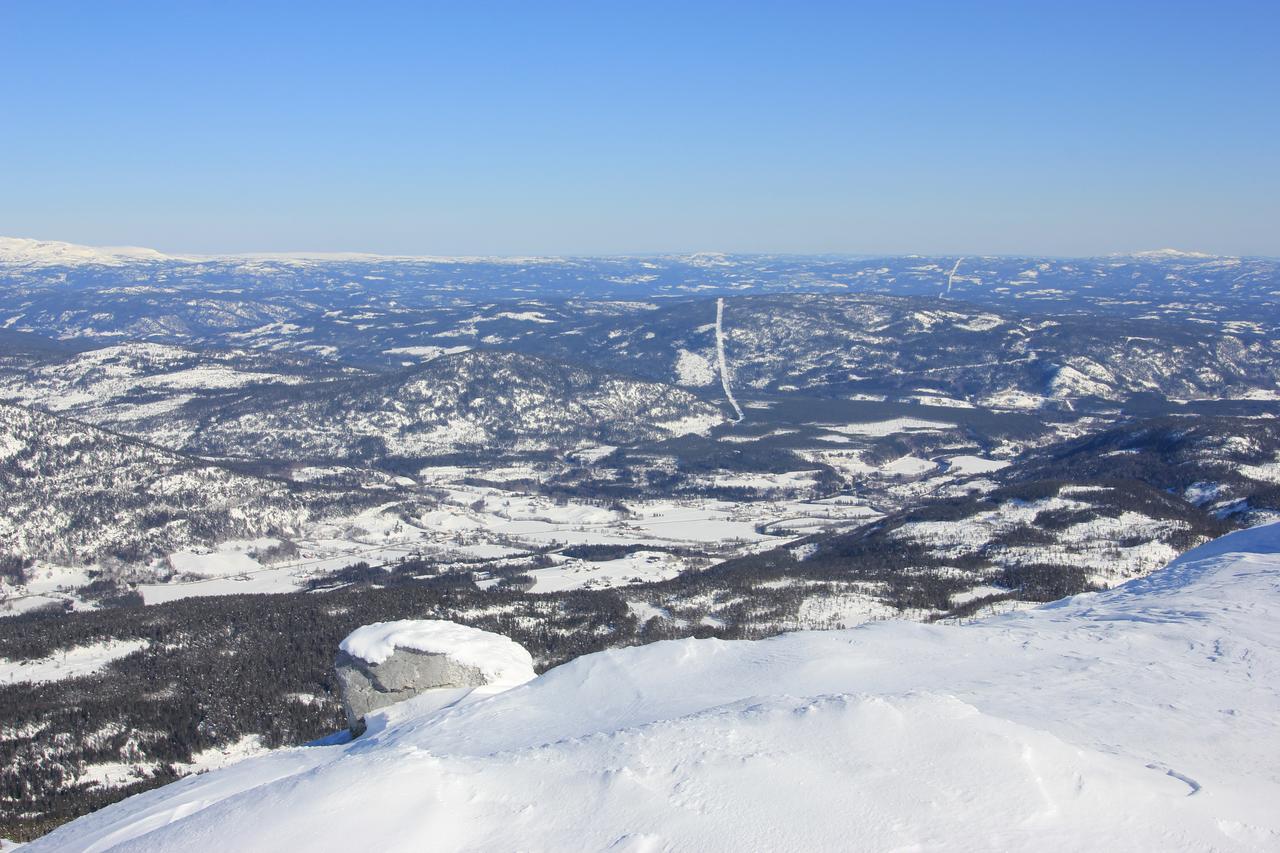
<point>368,686</point>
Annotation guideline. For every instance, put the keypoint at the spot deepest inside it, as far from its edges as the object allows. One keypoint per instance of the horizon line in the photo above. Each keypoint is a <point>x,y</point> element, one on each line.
<point>144,253</point>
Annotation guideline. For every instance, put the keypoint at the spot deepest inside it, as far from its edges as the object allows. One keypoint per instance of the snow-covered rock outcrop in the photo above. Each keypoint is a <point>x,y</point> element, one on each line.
<point>1143,718</point>
<point>387,662</point>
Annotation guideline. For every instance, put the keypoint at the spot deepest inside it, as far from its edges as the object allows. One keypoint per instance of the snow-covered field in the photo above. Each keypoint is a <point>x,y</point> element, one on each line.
<point>463,522</point>
<point>480,522</point>
<point>111,774</point>
<point>844,610</point>
<point>889,427</point>
<point>974,465</point>
<point>640,567</point>
<point>70,663</point>
<point>1143,718</point>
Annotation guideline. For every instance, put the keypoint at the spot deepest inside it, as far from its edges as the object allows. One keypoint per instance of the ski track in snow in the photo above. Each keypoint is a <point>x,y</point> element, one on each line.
<point>724,365</point>
<point>952,275</point>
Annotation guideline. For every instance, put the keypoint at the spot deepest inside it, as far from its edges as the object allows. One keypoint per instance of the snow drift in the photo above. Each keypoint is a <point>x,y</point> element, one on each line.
<point>503,662</point>
<point>1140,718</point>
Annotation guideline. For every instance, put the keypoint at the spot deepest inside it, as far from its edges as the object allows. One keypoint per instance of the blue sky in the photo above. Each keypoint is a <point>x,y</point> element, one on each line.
<point>1061,128</point>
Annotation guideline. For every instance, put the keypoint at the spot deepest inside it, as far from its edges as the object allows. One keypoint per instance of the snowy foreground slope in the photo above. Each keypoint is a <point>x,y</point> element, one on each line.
<point>1141,718</point>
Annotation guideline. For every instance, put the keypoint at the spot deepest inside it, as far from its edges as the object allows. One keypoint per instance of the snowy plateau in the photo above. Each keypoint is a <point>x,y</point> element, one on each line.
<point>635,469</point>
<point>1139,718</point>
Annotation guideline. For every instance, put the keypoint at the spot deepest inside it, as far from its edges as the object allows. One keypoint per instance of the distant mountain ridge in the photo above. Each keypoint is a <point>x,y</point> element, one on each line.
<point>26,251</point>
<point>20,251</point>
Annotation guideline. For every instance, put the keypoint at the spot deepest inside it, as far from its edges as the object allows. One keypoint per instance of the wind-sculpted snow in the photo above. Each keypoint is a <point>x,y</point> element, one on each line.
<point>500,660</point>
<point>1140,718</point>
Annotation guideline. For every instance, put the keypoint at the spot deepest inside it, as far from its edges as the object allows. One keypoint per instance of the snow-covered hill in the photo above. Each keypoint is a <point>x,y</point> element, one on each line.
<point>75,494</point>
<point>140,381</point>
<point>1140,718</point>
<point>475,402</point>
<point>235,402</point>
<point>24,252</point>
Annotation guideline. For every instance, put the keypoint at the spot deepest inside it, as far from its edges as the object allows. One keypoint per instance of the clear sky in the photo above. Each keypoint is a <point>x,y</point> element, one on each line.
<point>1046,126</point>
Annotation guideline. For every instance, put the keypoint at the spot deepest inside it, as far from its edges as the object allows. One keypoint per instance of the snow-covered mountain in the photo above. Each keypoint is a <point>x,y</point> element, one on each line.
<point>1158,254</point>
<point>25,252</point>
<point>1140,718</point>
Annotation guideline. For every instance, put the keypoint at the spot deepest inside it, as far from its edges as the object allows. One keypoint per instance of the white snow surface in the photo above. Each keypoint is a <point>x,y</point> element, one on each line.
<point>975,465</point>
<point>504,662</point>
<point>68,663</point>
<point>25,252</point>
<point>693,369</point>
<point>889,427</point>
<point>1142,718</point>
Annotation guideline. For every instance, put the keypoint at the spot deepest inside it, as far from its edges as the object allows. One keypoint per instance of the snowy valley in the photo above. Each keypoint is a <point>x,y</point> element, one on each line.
<point>212,469</point>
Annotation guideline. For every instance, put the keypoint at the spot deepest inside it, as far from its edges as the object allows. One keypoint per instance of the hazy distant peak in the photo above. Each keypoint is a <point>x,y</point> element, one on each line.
<point>25,252</point>
<point>22,251</point>
<point>1169,253</point>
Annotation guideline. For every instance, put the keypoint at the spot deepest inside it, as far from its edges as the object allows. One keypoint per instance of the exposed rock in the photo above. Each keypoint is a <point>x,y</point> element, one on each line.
<point>408,672</point>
